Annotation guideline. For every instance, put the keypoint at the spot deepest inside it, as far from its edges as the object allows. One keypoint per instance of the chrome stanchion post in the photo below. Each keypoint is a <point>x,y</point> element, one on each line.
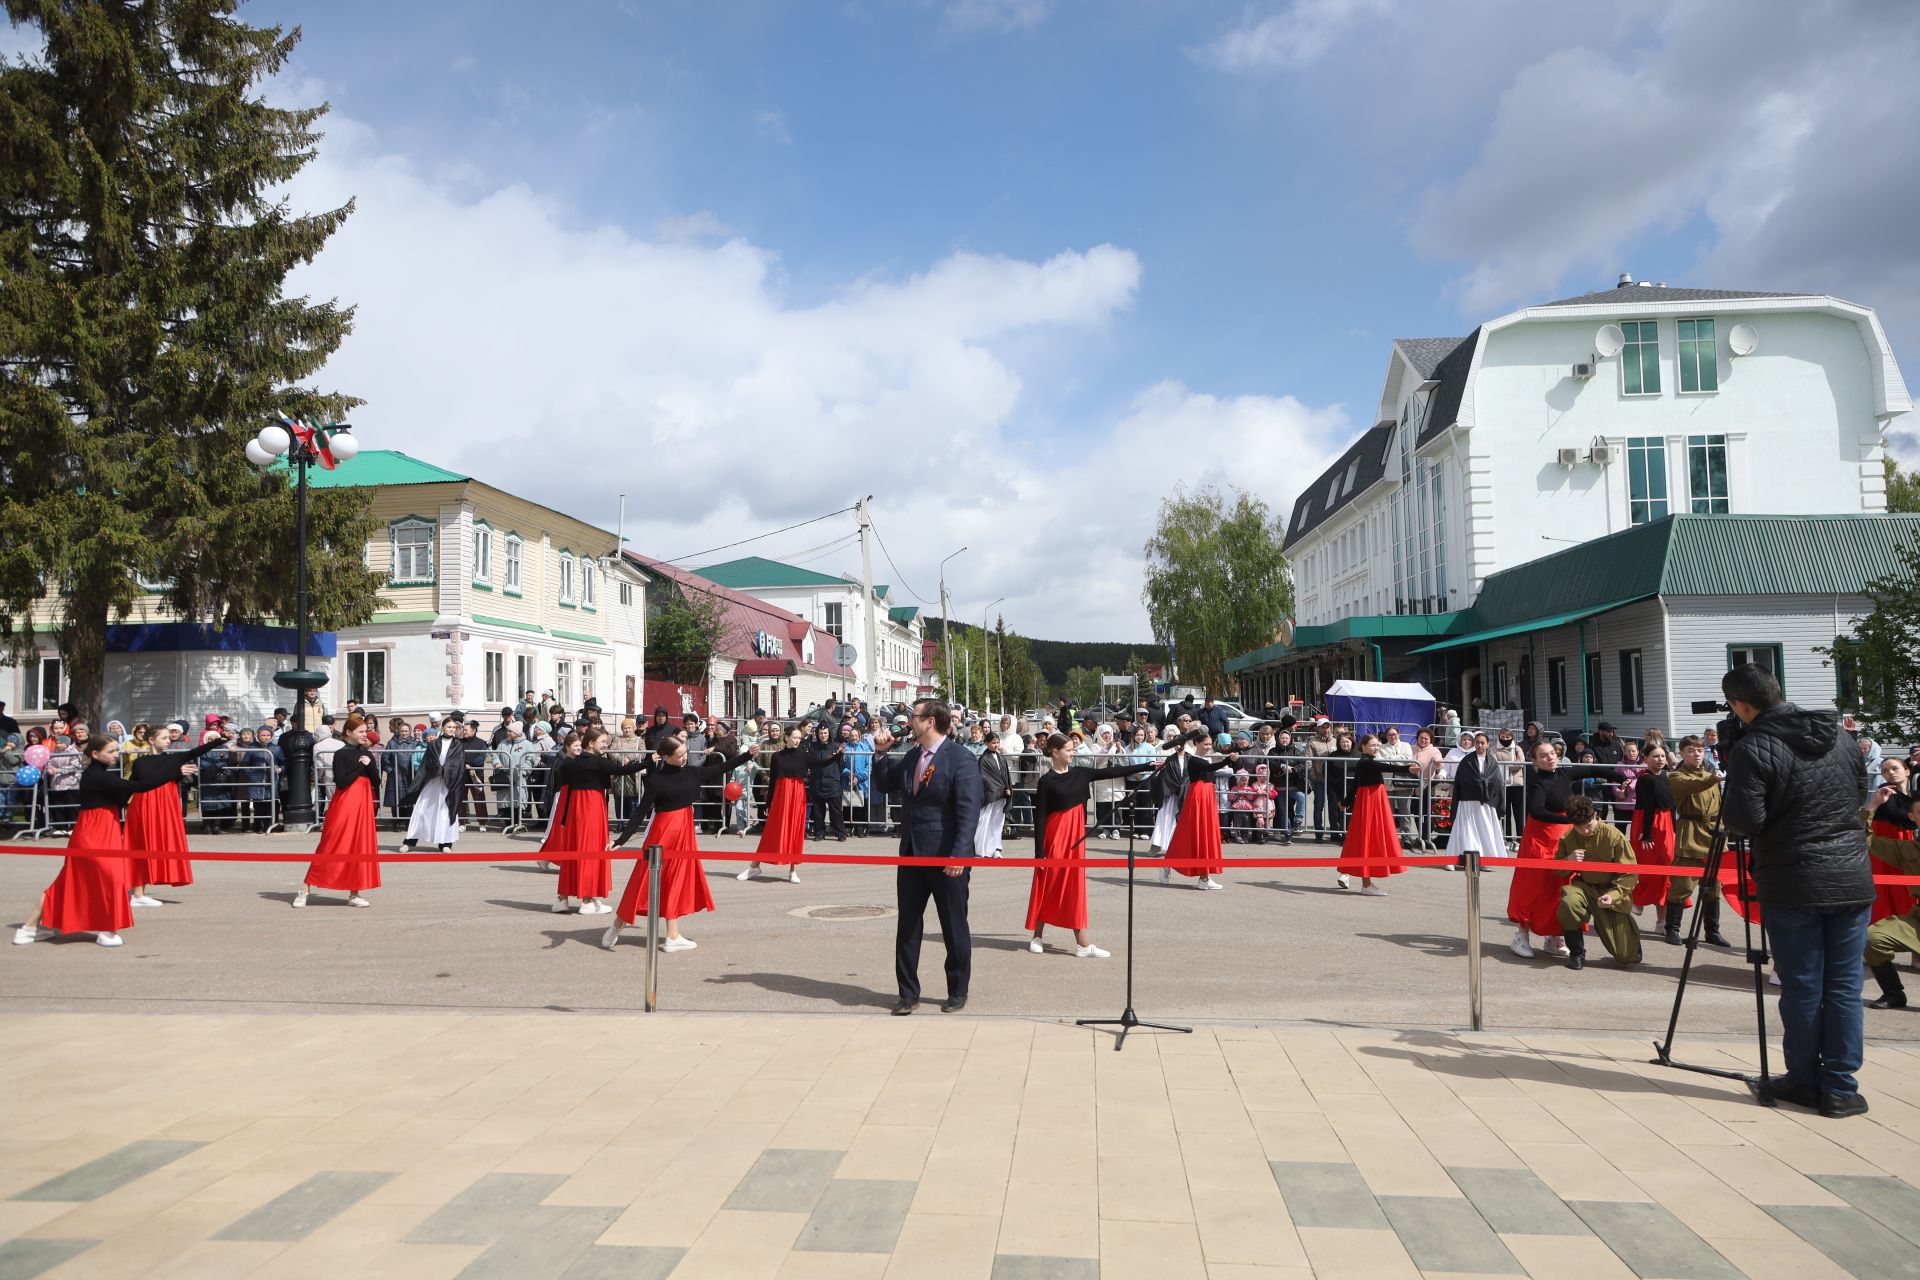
<point>653,926</point>
<point>1474,1012</point>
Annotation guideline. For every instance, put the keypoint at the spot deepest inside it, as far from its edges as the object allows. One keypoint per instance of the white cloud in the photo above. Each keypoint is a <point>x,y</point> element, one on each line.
<point>572,363</point>
<point>772,127</point>
<point>1297,36</point>
<point>994,15</point>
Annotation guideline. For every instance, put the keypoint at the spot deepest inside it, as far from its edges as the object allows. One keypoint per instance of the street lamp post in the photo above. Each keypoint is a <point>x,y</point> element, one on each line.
<point>946,625</point>
<point>301,446</point>
<point>986,659</point>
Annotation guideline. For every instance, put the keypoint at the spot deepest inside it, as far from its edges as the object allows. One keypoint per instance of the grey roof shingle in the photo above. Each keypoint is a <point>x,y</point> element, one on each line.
<point>1311,508</point>
<point>1425,353</point>
<point>1451,373</point>
<point>1664,293</point>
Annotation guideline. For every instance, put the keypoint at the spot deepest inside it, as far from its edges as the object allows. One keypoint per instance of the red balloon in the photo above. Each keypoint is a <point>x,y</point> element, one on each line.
<point>732,792</point>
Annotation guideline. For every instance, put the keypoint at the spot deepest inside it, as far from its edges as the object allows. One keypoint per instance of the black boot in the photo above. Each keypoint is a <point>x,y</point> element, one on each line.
<point>1710,923</point>
<point>1576,949</point>
<point>1675,911</point>
<point>1892,994</point>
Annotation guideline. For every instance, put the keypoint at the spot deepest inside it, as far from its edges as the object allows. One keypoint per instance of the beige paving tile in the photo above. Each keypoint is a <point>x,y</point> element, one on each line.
<point>1134,1191</point>
<point>1051,1220</point>
<point>1557,1257</point>
<point>1576,1171</point>
<point>1341,1253</point>
<point>822,1125</point>
<point>741,1246</point>
<point>421,1262</point>
<point>833,1266</point>
<point>722,1148</point>
<point>1246,1224</point>
<point>452,1170</point>
<point>1769,1258</point>
<point>1245,1271</point>
<point>888,1151</point>
<point>1762,1177</point>
<point>965,1173</point>
<point>1055,1155</point>
<point>612,1176</point>
<point>671,1211</point>
<point>1708,1205</point>
<point>935,1246</point>
<point>1150,1251</point>
<point>1209,1111</point>
<point>218,1259</point>
<point>1286,1135</point>
<point>1223,1160</point>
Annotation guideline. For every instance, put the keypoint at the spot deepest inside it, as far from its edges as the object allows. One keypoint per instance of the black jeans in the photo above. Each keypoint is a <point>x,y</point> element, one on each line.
<point>822,810</point>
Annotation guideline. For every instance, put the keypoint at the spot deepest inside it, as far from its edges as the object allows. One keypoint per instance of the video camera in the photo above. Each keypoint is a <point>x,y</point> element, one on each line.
<point>1730,728</point>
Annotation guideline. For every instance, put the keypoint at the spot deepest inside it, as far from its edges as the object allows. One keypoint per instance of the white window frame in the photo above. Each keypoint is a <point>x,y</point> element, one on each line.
<point>359,681</point>
<point>1632,344</point>
<point>409,524</point>
<point>566,579</point>
<point>515,559</point>
<point>834,619</point>
<point>1726,458</point>
<point>526,670</point>
<point>626,593</point>
<point>589,681</point>
<point>1713,354</point>
<point>1633,682</point>
<point>483,555</point>
<point>493,663</point>
<point>589,583</point>
<point>563,683</point>
<point>41,666</point>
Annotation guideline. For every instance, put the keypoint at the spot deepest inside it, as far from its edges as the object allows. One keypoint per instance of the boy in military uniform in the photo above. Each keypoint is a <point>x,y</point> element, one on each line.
<point>1603,897</point>
<point>1696,812</point>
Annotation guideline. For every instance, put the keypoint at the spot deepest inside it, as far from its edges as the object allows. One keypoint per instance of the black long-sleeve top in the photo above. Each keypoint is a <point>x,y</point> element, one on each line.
<point>823,767</point>
<point>1653,793</point>
<point>103,788</point>
<point>1058,792</point>
<point>1547,796</point>
<point>1897,812</point>
<point>590,771</point>
<point>351,763</point>
<point>1199,769</point>
<point>789,762</point>
<point>676,786</point>
<point>160,767</point>
<point>1371,771</point>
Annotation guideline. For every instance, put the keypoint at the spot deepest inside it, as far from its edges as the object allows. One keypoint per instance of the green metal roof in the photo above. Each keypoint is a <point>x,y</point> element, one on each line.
<point>1360,627</point>
<point>880,590</point>
<point>1520,628</point>
<point>378,467</point>
<point>902,612</point>
<point>758,571</point>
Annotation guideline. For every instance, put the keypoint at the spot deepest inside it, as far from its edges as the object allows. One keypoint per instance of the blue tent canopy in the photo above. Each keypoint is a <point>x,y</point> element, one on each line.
<point>1372,705</point>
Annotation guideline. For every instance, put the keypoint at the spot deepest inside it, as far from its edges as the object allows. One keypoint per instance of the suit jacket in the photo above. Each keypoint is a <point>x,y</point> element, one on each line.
<point>453,773</point>
<point>939,818</point>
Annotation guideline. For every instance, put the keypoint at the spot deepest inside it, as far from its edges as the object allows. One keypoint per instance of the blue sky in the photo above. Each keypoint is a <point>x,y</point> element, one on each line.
<point>1016,267</point>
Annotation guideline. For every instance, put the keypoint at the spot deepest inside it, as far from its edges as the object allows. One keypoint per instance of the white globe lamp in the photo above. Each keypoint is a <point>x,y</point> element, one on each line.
<point>274,440</point>
<point>257,454</point>
<point>343,446</point>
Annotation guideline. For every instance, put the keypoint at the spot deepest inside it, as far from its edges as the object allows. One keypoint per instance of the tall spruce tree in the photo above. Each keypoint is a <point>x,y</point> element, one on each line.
<point>145,334</point>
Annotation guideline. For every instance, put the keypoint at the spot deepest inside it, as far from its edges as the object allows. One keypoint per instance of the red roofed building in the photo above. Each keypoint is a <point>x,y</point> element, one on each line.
<point>764,657</point>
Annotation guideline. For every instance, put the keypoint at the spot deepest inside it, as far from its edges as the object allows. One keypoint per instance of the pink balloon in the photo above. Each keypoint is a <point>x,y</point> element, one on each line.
<point>37,755</point>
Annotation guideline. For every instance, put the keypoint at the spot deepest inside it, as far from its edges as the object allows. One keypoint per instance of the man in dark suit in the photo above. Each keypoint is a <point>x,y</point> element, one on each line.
<point>941,782</point>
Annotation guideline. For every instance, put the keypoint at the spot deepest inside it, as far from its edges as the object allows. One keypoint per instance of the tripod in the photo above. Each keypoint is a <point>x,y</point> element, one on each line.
<point>1756,956</point>
<point>1128,1019</point>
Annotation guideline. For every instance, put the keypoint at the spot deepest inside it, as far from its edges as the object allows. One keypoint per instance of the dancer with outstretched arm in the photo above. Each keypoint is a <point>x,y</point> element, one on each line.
<point>673,785</point>
<point>1059,894</point>
<point>585,778</point>
<point>156,824</point>
<point>784,837</point>
<point>344,860</point>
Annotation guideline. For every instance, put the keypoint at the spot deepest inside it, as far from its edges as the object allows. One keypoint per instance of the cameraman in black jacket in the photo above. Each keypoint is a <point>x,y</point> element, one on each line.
<point>1793,787</point>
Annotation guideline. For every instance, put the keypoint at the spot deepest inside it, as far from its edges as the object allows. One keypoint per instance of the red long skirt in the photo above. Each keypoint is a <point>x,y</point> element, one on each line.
<point>155,825</point>
<point>1196,836</point>
<point>1653,845</point>
<point>683,882</point>
<point>1890,899</point>
<point>1059,894</point>
<point>1372,847</point>
<point>582,828</point>
<point>1533,896</point>
<point>90,894</point>
<point>345,841</point>
<point>784,837</point>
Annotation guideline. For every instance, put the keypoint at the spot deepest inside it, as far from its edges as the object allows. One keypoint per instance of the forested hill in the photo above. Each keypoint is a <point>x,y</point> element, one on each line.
<point>1056,657</point>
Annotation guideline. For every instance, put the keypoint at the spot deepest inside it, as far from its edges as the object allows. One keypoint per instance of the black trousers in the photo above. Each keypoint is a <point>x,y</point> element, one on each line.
<point>949,893</point>
<point>824,809</point>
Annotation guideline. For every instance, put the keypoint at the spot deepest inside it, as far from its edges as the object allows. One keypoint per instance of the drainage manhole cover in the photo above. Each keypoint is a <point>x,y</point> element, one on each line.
<point>841,912</point>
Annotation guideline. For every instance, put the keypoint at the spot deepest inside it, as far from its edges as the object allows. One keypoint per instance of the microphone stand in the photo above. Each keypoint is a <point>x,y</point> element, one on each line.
<point>1128,1019</point>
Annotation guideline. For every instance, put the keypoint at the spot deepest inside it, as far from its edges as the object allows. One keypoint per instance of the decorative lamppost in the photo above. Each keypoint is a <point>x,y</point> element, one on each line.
<point>302,446</point>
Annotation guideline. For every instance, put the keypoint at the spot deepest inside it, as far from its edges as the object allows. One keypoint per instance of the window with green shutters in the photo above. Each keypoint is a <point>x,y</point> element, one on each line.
<point>1640,358</point>
<point>1707,474</point>
<point>1646,478</point>
<point>1699,360</point>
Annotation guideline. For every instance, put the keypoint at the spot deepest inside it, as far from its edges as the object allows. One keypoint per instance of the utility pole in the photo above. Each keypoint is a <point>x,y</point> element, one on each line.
<point>866,582</point>
<point>946,627</point>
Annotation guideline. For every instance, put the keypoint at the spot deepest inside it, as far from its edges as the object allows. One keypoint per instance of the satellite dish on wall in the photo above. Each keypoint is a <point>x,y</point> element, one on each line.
<point>1741,339</point>
<point>1609,340</point>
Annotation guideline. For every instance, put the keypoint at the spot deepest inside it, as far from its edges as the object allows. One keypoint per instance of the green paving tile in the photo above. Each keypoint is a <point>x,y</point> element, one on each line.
<point>1852,1239</point>
<point>1653,1242</point>
<point>624,1262</point>
<point>301,1211</point>
<point>541,1244</point>
<point>857,1215</point>
<point>481,1213</point>
<point>785,1181</point>
<point>1516,1203</point>
<point>110,1172</point>
<point>1326,1195</point>
<point>1891,1202</point>
<point>1017,1266</point>
<point>1442,1233</point>
<point>25,1259</point>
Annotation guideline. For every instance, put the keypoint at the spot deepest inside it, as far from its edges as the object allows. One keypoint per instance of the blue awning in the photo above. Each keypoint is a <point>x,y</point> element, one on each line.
<point>198,637</point>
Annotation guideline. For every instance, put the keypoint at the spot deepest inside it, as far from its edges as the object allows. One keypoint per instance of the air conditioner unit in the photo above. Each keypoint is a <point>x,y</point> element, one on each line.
<point>1583,370</point>
<point>1569,458</point>
<point>1600,455</point>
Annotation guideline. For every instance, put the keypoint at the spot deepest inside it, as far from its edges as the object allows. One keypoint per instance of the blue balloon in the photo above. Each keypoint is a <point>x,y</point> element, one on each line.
<point>26,775</point>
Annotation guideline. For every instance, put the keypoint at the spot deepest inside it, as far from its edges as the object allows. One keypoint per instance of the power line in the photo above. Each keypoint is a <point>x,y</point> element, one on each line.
<point>891,565</point>
<point>759,536</point>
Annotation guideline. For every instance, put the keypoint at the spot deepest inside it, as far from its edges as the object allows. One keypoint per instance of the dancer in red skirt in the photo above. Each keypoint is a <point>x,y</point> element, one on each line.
<point>673,786</point>
<point>555,837</point>
<point>1372,847</point>
<point>784,837</point>
<point>342,861</point>
<point>1652,832</point>
<point>90,894</point>
<point>1059,894</point>
<point>1890,839</point>
<point>1533,895</point>
<point>155,822</point>
<point>1196,836</point>
<point>581,825</point>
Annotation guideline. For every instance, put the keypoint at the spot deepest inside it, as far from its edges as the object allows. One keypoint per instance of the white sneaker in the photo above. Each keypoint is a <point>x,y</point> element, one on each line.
<point>27,935</point>
<point>547,866</point>
<point>1521,945</point>
<point>1091,952</point>
<point>299,900</point>
<point>145,900</point>
<point>594,907</point>
<point>1036,946</point>
<point>1343,882</point>
<point>562,906</point>
<point>1166,876</point>
<point>108,939</point>
<point>753,869</point>
<point>793,877</point>
<point>1373,891</point>
<point>1773,979</point>
<point>678,944</point>
<point>611,936</point>
<point>1555,946</point>
<point>356,900</point>
<point>1208,882</point>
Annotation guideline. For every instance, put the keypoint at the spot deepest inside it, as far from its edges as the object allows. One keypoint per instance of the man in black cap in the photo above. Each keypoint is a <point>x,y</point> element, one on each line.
<point>659,729</point>
<point>1606,746</point>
